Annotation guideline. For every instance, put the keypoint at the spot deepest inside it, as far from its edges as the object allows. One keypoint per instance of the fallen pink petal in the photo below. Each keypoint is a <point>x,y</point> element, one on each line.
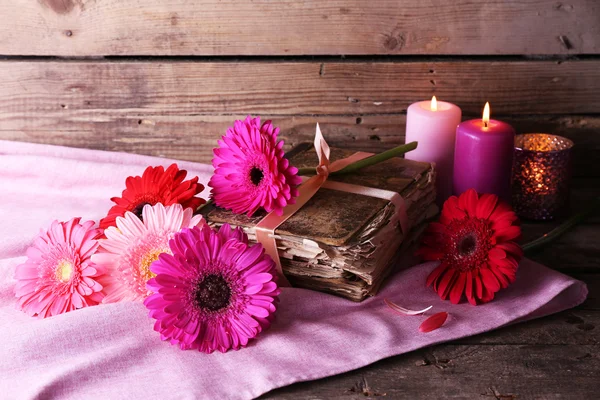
<point>404,311</point>
<point>434,322</point>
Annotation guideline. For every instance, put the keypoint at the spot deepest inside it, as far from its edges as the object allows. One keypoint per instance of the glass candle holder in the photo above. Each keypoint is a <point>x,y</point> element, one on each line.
<point>541,175</point>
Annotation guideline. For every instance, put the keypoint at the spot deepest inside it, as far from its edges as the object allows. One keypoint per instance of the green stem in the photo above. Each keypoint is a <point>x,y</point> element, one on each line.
<point>562,229</point>
<point>208,203</point>
<point>365,162</point>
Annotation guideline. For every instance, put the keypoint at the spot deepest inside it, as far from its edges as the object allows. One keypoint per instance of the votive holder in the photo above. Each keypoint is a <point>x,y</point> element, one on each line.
<point>541,175</point>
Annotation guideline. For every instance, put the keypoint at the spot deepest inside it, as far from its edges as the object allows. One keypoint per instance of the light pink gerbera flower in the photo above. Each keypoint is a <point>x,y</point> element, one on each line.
<point>215,292</point>
<point>58,275</point>
<point>251,170</point>
<point>134,244</point>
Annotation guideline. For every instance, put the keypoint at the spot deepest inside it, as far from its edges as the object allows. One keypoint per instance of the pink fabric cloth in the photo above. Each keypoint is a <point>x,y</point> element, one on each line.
<point>111,351</point>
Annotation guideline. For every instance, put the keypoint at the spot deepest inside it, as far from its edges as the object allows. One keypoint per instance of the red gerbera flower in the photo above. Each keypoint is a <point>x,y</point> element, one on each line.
<point>155,186</point>
<point>474,240</point>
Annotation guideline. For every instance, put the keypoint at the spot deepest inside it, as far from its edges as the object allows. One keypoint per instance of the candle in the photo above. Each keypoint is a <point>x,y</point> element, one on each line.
<point>541,175</point>
<point>483,156</point>
<point>433,124</point>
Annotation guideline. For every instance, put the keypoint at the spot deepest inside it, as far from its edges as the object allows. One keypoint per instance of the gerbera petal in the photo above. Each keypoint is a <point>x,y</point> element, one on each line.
<point>468,202</point>
<point>504,281</point>
<point>435,274</point>
<point>469,288</point>
<point>446,283</point>
<point>510,233</point>
<point>452,211</point>
<point>497,253</point>
<point>512,248</point>
<point>478,285</point>
<point>489,280</point>
<point>485,205</point>
<point>434,322</point>
<point>404,311</point>
<point>458,288</point>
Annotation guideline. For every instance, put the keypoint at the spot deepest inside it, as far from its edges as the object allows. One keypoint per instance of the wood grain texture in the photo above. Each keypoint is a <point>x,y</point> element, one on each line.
<point>191,137</point>
<point>297,27</point>
<point>578,251</point>
<point>178,109</point>
<point>563,371</point>
<point>96,90</point>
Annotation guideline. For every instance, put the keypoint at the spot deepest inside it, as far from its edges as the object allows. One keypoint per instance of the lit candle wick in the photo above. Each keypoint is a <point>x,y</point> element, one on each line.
<point>433,104</point>
<point>486,114</point>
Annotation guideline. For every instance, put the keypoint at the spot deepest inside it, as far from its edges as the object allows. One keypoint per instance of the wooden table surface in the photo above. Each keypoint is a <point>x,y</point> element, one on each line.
<point>553,357</point>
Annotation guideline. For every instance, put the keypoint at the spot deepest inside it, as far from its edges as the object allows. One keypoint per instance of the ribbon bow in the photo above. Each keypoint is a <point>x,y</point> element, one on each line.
<point>265,229</point>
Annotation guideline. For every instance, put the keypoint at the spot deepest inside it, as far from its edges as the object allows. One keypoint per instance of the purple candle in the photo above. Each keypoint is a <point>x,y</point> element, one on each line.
<point>483,156</point>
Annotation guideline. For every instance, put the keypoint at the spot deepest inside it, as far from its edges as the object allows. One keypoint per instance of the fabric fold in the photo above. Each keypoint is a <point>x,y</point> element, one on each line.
<point>111,351</point>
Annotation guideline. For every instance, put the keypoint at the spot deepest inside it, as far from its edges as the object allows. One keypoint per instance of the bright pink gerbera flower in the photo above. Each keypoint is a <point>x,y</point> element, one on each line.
<point>134,244</point>
<point>215,292</point>
<point>58,275</point>
<point>474,240</point>
<point>251,170</point>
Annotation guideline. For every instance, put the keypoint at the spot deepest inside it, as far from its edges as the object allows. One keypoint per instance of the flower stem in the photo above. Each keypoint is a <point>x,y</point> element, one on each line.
<point>366,162</point>
<point>561,229</point>
<point>208,203</point>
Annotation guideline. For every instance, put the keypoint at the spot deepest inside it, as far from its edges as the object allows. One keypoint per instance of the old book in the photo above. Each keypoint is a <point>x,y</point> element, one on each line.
<point>341,242</point>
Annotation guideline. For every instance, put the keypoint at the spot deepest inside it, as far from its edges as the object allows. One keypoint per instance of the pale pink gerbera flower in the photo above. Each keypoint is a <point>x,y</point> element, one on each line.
<point>58,275</point>
<point>215,292</point>
<point>134,244</point>
<point>251,170</point>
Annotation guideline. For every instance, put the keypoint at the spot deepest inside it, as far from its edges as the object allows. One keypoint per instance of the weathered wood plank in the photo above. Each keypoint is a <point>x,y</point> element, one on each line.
<point>466,372</point>
<point>192,137</point>
<point>292,27</point>
<point>573,327</point>
<point>100,91</point>
<point>578,250</point>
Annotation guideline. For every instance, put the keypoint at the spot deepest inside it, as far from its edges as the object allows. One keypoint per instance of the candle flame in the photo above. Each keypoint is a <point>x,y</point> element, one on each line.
<point>486,114</point>
<point>433,104</point>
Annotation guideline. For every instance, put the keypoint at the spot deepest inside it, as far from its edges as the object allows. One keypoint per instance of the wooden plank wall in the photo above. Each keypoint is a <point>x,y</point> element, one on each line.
<point>167,78</point>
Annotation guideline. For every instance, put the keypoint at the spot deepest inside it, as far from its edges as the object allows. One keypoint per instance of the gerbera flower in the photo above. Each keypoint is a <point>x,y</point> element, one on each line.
<point>251,170</point>
<point>134,244</point>
<point>474,240</point>
<point>58,275</point>
<point>155,186</point>
<point>215,292</point>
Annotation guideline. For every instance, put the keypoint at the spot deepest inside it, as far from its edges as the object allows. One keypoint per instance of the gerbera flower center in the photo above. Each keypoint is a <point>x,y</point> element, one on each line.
<point>213,293</point>
<point>469,243</point>
<point>256,176</point>
<point>146,261</point>
<point>138,210</point>
<point>64,270</point>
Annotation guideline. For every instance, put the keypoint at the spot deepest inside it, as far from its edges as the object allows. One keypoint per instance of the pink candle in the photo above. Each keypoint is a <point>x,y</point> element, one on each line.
<point>433,124</point>
<point>483,156</point>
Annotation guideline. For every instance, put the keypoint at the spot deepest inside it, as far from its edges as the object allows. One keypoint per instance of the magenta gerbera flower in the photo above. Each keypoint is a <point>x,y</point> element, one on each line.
<point>251,170</point>
<point>58,275</point>
<point>215,292</point>
<point>134,244</point>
